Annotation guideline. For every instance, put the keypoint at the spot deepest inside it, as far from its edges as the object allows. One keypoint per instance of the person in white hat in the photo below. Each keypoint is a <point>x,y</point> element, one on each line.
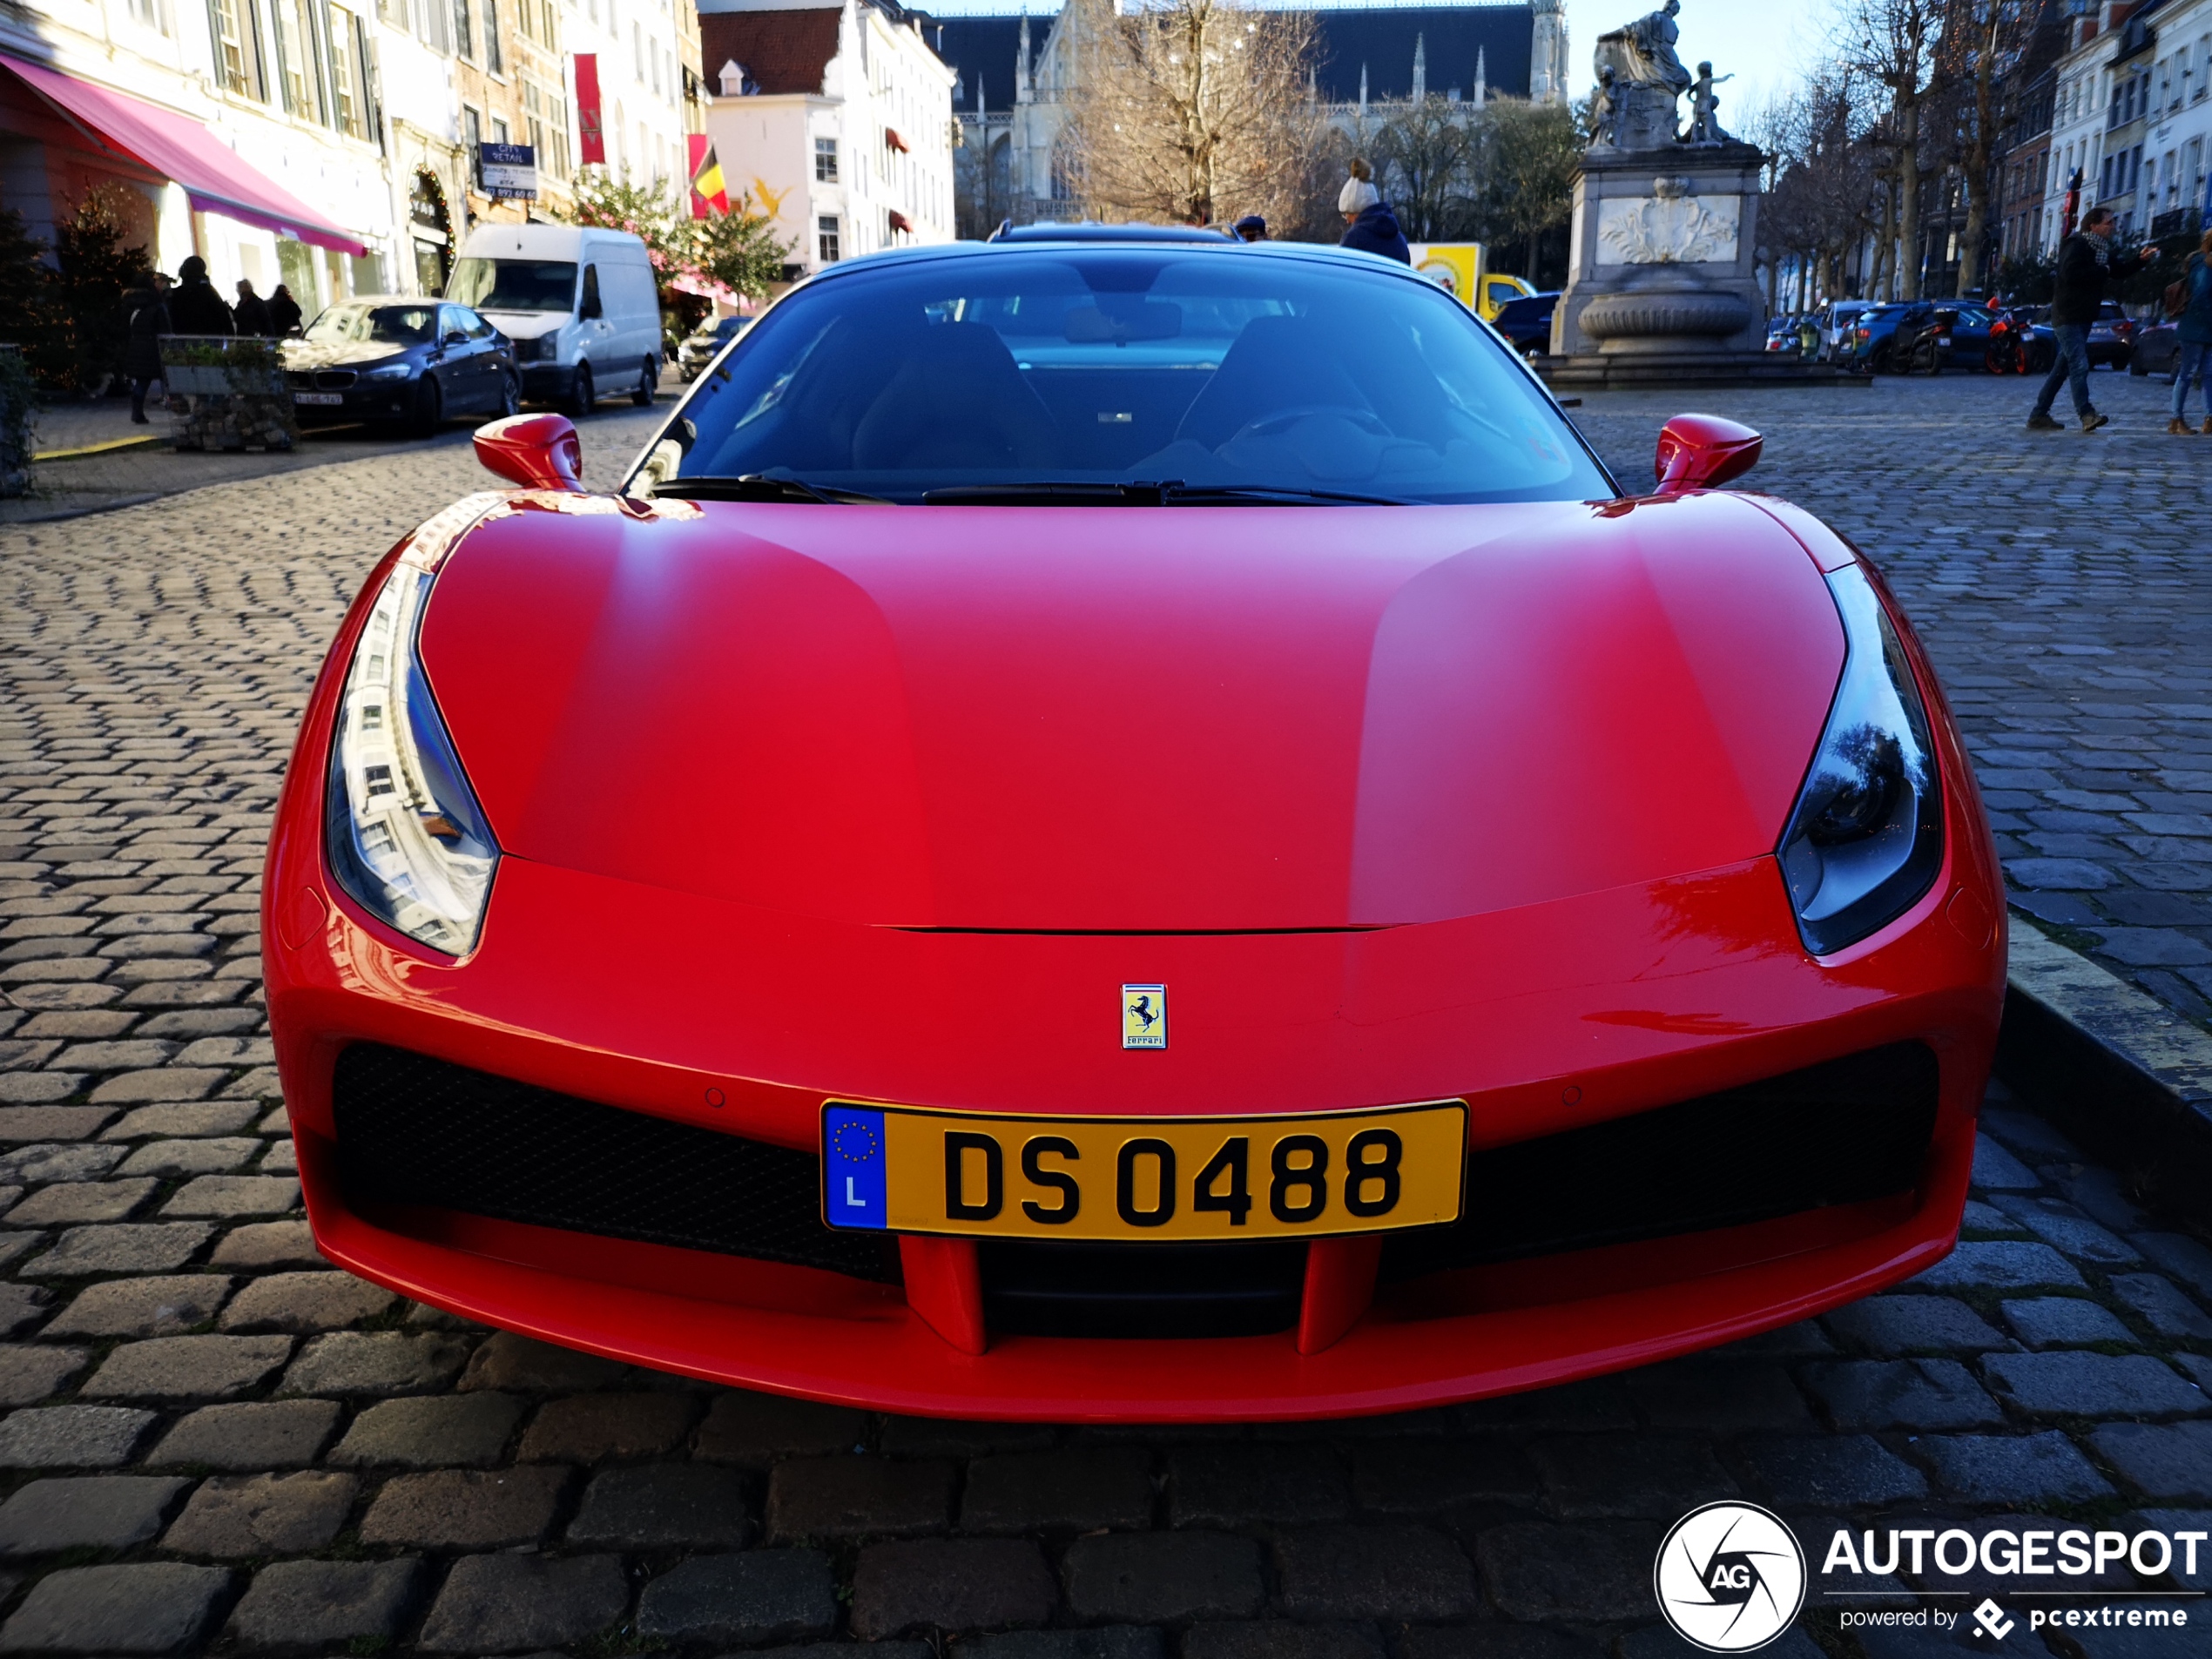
<point>1370,226</point>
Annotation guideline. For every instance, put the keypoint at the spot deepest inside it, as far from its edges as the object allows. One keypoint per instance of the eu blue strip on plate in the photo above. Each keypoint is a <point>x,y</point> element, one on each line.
<point>852,1155</point>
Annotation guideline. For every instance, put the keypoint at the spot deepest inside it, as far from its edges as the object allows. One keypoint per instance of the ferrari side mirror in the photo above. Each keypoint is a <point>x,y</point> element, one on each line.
<point>536,451</point>
<point>1703,451</point>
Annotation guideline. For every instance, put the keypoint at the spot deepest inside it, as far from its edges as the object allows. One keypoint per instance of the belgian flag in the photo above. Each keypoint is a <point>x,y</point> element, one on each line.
<point>709,195</point>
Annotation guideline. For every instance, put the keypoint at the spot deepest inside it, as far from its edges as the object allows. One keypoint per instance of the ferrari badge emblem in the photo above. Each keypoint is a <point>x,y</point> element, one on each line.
<point>1144,1016</point>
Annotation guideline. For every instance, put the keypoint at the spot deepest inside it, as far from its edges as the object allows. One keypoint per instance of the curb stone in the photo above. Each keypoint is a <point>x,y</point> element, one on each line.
<point>2120,1072</point>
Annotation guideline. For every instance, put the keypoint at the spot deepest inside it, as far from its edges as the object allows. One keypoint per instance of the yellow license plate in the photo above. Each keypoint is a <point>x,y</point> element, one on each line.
<point>904,1170</point>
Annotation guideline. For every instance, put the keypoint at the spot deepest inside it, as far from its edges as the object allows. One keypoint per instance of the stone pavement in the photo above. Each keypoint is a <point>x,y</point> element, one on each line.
<point>2063,585</point>
<point>214,1443</point>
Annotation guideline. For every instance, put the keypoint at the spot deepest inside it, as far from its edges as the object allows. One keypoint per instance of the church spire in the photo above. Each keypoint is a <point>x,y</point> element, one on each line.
<point>1481,78</point>
<point>1021,63</point>
<point>1420,67</point>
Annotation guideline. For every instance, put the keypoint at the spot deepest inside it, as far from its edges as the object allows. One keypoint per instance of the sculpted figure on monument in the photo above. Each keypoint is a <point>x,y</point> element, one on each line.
<point>1641,76</point>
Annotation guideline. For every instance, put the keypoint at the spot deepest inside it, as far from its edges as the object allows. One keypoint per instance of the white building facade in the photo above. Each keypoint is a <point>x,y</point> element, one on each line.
<point>331,146</point>
<point>2133,112</point>
<point>835,120</point>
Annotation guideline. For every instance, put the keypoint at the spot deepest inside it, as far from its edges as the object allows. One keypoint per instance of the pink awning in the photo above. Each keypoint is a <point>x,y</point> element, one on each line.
<point>215,176</point>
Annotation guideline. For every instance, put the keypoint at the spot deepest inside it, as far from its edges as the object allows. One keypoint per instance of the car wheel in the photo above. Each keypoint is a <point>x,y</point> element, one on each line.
<point>430,409</point>
<point>584,397</point>
<point>648,384</point>
<point>510,393</point>
<point>2137,367</point>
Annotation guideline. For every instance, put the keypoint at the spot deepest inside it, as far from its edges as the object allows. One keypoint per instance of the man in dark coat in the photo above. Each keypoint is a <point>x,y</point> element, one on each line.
<point>251,312</point>
<point>1370,226</point>
<point>147,312</point>
<point>2086,263</point>
<point>284,312</point>
<point>194,307</point>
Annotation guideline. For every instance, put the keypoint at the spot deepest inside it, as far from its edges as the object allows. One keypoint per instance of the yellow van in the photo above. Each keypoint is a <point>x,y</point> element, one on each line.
<point>1459,266</point>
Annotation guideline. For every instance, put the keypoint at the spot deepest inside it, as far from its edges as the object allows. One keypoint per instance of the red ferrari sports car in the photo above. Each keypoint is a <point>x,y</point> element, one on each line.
<point>1120,826</point>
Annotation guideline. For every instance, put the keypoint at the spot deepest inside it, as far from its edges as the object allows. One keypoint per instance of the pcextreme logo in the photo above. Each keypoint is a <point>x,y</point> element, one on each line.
<point>1729,1577</point>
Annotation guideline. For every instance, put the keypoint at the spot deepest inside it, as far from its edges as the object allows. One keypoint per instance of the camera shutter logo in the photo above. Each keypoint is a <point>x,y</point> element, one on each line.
<point>1729,1577</point>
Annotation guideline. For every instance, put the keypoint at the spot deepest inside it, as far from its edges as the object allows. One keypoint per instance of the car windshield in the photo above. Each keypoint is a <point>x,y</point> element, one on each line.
<point>514,285</point>
<point>381,325</point>
<point>1001,376</point>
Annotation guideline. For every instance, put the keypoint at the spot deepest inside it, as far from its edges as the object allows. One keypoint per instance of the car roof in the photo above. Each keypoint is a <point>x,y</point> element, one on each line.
<point>394,300</point>
<point>1094,231</point>
<point>1181,238</point>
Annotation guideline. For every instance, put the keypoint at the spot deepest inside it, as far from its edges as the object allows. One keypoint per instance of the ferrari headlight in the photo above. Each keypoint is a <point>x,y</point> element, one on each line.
<point>1866,838</point>
<point>404,834</point>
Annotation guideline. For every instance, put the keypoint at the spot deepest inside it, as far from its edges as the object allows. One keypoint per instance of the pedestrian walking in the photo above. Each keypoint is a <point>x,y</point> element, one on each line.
<point>2194,330</point>
<point>251,312</point>
<point>194,307</point>
<point>1370,226</point>
<point>146,312</point>
<point>2086,263</point>
<point>284,312</point>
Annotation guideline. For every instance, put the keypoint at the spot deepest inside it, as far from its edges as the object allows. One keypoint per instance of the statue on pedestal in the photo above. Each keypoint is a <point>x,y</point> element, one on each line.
<point>1639,79</point>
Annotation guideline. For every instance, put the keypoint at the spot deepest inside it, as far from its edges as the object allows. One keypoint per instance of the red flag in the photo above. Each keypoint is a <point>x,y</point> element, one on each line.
<point>589,139</point>
<point>708,192</point>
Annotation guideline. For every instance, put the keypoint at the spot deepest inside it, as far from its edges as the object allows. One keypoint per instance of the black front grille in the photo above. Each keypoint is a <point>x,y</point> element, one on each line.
<point>411,1129</point>
<point>1842,1132</point>
<point>1076,1290</point>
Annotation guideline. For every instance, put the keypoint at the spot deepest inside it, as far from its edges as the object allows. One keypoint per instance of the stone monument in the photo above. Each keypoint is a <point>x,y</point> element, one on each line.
<point>1660,285</point>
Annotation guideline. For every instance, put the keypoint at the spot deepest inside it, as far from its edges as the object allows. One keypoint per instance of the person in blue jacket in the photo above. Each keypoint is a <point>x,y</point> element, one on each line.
<point>2194,331</point>
<point>1370,226</point>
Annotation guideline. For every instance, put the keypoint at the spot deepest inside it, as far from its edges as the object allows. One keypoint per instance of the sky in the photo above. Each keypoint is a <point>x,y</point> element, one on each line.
<point>1762,43</point>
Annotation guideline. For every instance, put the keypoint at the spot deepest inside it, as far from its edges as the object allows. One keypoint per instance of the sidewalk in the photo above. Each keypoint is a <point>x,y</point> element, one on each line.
<point>70,485</point>
<point>2051,575</point>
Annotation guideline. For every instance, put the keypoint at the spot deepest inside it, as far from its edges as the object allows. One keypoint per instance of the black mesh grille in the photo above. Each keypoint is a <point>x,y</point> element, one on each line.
<point>1837,1133</point>
<point>411,1129</point>
<point>1076,1290</point>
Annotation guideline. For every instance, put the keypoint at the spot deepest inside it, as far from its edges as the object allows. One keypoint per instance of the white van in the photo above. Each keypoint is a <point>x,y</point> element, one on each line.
<point>579,304</point>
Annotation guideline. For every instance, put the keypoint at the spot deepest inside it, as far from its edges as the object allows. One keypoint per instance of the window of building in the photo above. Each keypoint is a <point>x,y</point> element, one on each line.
<point>825,161</point>
<point>147,14</point>
<point>237,59</point>
<point>464,34</point>
<point>347,110</point>
<point>472,140</point>
<point>499,133</point>
<point>545,112</point>
<point>495,60</point>
<point>826,238</point>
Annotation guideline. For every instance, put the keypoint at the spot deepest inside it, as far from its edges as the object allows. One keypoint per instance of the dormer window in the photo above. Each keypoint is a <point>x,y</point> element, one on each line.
<point>732,79</point>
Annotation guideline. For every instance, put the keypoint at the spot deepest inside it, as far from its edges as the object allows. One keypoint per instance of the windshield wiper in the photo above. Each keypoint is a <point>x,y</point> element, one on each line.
<point>762,486</point>
<point>1171,492</point>
<point>1041,493</point>
<point>1176,493</point>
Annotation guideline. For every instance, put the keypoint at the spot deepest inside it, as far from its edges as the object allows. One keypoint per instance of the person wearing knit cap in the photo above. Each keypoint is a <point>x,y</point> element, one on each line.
<point>1370,226</point>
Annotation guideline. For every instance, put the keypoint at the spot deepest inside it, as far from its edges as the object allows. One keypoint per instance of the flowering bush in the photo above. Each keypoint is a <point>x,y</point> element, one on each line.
<point>696,261</point>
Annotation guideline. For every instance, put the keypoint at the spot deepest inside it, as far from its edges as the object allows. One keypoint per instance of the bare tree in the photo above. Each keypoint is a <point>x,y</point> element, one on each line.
<point>1427,157</point>
<point>1897,44</point>
<point>1187,110</point>
<point>1984,44</point>
<point>1530,155</point>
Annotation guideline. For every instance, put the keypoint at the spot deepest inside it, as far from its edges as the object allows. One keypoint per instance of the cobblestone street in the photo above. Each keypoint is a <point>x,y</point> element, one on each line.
<point>214,1443</point>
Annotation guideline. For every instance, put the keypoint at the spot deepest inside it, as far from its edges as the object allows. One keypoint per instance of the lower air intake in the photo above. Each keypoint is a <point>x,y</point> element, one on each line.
<point>415,1130</point>
<point>1841,1132</point>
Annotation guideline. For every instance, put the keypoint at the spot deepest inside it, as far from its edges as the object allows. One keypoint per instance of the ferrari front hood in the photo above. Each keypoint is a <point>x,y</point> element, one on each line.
<point>1136,720</point>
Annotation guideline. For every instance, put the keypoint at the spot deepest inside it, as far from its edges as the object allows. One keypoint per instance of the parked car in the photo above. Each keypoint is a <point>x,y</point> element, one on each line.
<point>2156,350</point>
<point>399,361</point>
<point>1836,320</point>
<point>983,849</point>
<point>1875,331</point>
<point>1781,334</point>
<point>2112,336</point>
<point>579,303</point>
<point>1527,322</point>
<point>700,347</point>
